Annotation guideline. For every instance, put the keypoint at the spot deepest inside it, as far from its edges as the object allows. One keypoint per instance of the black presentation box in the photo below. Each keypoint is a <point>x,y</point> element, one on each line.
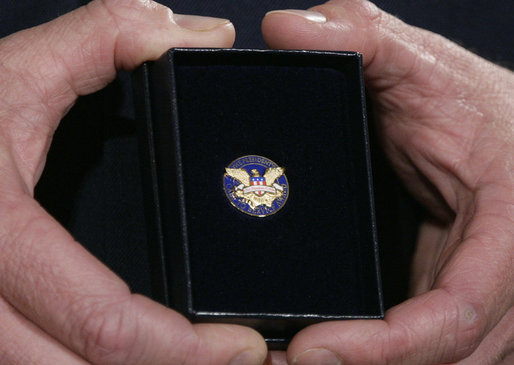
<point>313,260</point>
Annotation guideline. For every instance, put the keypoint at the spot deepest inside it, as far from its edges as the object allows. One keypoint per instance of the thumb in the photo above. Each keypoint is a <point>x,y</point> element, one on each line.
<point>48,66</point>
<point>392,51</point>
<point>86,46</point>
<point>431,95</point>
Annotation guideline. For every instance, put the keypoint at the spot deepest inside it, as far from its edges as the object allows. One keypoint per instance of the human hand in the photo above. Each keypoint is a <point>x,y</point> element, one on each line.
<point>447,122</point>
<point>58,304</point>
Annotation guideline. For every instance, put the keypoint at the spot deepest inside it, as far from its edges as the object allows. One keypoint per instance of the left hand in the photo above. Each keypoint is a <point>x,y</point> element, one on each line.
<point>59,305</point>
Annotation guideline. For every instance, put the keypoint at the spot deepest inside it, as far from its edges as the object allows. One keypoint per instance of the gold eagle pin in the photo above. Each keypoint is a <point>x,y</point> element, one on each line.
<point>256,185</point>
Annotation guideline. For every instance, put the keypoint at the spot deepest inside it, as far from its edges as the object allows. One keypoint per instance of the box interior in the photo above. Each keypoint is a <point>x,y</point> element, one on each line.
<point>316,256</point>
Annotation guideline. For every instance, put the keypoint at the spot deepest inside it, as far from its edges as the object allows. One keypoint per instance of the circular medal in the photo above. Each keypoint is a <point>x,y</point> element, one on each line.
<point>255,185</point>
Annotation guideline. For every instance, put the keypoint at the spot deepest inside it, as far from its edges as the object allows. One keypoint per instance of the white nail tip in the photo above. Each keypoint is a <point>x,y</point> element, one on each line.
<point>311,16</point>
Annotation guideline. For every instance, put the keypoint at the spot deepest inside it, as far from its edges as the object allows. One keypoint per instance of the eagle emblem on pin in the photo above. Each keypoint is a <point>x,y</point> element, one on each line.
<point>255,185</point>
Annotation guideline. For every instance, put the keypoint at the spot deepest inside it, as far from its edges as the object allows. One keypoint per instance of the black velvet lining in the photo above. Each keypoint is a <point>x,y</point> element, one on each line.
<point>315,256</point>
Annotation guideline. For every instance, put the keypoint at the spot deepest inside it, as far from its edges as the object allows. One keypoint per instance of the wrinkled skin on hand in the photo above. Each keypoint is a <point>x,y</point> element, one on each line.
<point>446,118</point>
<point>58,304</point>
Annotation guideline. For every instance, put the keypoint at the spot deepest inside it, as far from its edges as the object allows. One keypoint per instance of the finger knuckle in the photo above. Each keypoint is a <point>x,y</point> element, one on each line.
<point>133,9</point>
<point>469,330</point>
<point>109,333</point>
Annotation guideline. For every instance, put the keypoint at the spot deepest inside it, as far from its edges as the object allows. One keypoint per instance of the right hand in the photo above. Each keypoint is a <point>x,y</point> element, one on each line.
<point>446,119</point>
<point>59,304</point>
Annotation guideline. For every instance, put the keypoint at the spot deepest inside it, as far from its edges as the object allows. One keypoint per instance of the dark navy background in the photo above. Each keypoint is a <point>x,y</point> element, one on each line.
<point>92,185</point>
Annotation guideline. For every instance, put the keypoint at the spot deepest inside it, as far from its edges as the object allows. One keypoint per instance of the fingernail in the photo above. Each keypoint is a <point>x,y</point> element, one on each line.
<point>247,358</point>
<point>311,16</point>
<point>199,23</point>
<point>317,357</point>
